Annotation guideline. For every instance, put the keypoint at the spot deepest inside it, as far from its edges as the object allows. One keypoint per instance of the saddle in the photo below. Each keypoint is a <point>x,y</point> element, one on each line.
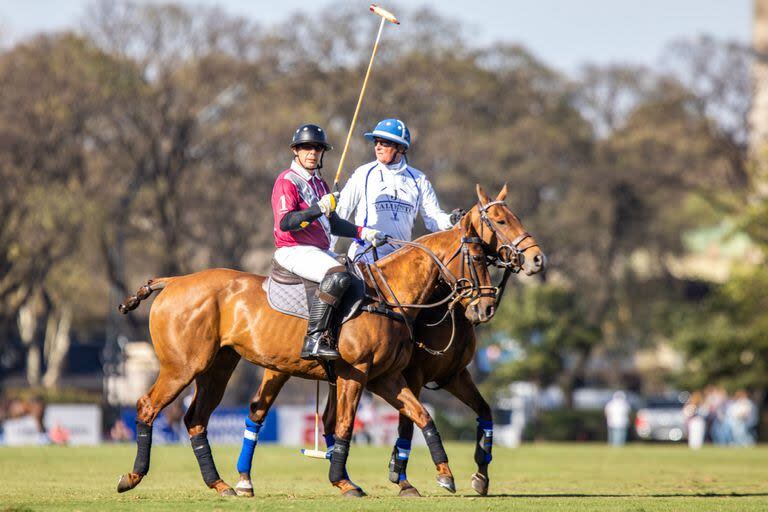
<point>291,294</point>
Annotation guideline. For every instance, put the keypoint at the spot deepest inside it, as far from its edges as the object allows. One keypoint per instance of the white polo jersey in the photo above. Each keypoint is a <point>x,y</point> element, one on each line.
<point>388,198</point>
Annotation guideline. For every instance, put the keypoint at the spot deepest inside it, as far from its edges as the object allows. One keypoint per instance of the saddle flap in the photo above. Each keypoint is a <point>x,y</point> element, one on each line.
<point>292,299</point>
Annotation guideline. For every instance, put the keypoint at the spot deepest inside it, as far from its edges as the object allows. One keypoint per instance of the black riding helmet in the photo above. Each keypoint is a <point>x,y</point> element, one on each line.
<point>311,134</point>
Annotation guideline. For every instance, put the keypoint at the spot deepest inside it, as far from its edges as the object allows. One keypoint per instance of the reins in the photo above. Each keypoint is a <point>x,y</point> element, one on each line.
<point>461,287</point>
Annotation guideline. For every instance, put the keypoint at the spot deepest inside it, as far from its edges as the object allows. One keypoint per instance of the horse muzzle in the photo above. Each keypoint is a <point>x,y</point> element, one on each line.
<point>480,313</point>
<point>534,264</point>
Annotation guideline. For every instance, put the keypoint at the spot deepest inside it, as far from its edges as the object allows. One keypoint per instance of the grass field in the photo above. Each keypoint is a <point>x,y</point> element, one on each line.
<point>533,477</point>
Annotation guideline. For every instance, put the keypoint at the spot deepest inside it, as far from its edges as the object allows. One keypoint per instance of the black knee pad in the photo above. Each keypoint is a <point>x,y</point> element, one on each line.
<point>339,460</point>
<point>143,447</point>
<point>336,283</point>
<point>434,443</point>
<point>204,458</point>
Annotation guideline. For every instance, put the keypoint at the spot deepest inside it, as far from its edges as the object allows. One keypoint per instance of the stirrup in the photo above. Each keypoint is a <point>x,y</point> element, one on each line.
<point>315,349</point>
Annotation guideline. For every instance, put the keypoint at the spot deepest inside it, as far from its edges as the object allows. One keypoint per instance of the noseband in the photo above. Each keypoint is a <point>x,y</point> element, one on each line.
<point>462,287</point>
<point>509,255</point>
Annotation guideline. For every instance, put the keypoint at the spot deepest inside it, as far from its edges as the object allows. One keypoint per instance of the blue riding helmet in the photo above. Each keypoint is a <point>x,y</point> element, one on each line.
<point>391,129</point>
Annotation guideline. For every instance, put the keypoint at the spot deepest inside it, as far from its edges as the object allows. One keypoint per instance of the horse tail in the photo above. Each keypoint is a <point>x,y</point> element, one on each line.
<point>133,301</point>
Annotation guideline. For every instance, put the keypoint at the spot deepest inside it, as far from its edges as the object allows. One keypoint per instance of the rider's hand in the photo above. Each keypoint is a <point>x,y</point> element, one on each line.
<point>328,203</point>
<point>456,215</point>
<point>377,238</point>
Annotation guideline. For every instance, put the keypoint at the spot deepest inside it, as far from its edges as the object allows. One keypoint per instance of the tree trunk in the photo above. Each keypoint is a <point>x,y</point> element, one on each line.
<point>27,322</point>
<point>58,348</point>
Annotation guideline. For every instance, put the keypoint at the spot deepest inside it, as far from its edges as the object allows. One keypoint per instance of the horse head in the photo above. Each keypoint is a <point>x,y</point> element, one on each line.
<point>469,264</point>
<point>503,234</point>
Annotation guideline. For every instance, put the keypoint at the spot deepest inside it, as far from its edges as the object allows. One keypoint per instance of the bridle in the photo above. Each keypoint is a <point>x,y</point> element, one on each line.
<point>464,287</point>
<point>509,256</point>
<point>516,254</point>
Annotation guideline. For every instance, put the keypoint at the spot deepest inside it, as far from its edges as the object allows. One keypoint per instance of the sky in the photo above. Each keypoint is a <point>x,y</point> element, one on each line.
<point>564,33</point>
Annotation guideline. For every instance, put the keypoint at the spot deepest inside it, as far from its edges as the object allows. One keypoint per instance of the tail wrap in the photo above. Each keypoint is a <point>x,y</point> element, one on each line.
<point>133,301</point>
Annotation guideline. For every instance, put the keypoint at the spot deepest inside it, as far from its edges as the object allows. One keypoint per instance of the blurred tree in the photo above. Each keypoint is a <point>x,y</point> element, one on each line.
<point>552,327</point>
<point>150,146</point>
<point>724,337</point>
<point>51,88</point>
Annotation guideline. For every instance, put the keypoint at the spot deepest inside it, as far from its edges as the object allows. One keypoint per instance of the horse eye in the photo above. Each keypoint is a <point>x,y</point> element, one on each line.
<point>502,221</point>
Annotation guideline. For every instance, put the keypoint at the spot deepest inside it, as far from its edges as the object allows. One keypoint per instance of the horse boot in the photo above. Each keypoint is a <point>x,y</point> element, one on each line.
<point>326,300</point>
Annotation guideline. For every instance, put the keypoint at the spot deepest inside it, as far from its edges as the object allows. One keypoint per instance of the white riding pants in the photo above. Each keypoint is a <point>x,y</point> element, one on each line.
<point>306,261</point>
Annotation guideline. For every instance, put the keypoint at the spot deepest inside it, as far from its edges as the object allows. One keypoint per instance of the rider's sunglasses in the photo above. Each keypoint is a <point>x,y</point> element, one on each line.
<point>310,147</point>
<point>385,143</point>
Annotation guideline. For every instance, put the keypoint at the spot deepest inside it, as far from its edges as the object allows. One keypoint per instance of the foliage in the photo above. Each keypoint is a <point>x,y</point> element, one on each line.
<point>149,143</point>
<point>551,327</point>
<point>724,336</point>
<point>567,425</point>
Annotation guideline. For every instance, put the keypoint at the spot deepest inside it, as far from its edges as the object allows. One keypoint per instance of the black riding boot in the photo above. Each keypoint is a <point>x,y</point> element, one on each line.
<point>321,313</point>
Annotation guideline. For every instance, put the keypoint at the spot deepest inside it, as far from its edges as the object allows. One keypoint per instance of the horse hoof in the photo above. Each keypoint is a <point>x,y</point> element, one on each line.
<point>409,492</point>
<point>480,484</point>
<point>244,488</point>
<point>128,481</point>
<point>447,483</point>
<point>355,493</point>
<point>229,492</point>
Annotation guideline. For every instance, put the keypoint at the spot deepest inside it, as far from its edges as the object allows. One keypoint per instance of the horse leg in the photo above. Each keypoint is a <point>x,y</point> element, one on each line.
<point>271,384</point>
<point>398,462</point>
<point>329,417</point>
<point>350,383</point>
<point>169,383</point>
<point>464,388</point>
<point>209,389</point>
<point>395,391</point>
<point>329,425</point>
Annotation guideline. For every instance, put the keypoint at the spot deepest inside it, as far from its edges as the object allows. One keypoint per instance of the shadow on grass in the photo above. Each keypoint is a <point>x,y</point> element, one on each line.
<point>669,495</point>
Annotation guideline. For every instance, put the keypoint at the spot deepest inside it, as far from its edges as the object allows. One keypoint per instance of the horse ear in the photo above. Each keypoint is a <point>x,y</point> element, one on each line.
<point>503,194</point>
<point>482,196</point>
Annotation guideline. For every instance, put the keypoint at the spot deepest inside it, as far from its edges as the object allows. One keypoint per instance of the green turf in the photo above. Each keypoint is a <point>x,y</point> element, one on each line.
<point>533,477</point>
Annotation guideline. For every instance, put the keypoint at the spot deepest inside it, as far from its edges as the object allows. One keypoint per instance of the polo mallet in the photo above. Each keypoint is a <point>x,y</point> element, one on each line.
<point>385,16</point>
<point>317,453</point>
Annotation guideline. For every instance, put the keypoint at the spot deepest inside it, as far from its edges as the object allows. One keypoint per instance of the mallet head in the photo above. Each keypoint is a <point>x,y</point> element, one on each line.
<point>384,14</point>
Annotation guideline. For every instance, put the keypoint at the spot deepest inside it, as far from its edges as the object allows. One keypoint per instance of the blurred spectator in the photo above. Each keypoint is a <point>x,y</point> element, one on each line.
<point>694,412</point>
<point>120,432</point>
<point>742,418</point>
<point>715,404</point>
<point>59,435</point>
<point>617,417</point>
<point>365,418</point>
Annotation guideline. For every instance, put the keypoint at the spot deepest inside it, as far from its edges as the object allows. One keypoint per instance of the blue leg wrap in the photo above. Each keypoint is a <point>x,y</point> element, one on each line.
<point>484,445</point>
<point>403,447</point>
<point>250,438</point>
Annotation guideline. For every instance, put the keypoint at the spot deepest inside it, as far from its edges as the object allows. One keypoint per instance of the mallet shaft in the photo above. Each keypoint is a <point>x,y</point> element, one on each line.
<point>357,108</point>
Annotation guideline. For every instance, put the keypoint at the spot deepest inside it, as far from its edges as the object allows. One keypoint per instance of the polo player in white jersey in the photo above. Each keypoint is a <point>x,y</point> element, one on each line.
<point>387,194</point>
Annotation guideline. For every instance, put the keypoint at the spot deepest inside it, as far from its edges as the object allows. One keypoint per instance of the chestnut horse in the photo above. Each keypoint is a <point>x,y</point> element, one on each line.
<point>446,365</point>
<point>202,323</point>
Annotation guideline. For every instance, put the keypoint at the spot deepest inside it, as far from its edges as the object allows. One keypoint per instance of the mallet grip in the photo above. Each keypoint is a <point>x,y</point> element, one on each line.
<point>384,14</point>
